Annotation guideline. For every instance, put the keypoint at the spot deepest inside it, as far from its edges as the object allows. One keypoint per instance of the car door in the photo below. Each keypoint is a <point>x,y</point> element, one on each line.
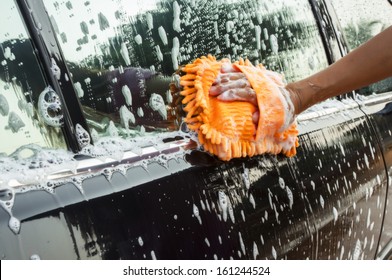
<point>139,187</point>
<point>374,16</point>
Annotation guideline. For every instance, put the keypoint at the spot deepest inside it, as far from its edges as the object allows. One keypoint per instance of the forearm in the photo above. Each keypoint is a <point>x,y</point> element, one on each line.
<point>367,64</point>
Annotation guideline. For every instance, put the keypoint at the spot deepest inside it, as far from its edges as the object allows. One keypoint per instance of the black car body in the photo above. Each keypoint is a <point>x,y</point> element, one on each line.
<point>154,194</point>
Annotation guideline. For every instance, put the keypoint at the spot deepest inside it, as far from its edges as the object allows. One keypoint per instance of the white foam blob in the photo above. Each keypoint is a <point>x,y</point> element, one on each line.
<point>127,95</point>
<point>158,104</point>
<point>162,35</point>
<point>125,54</point>
<point>82,136</point>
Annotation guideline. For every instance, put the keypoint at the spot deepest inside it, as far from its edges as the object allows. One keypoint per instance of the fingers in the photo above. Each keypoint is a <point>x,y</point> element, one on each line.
<point>227,77</point>
<point>215,90</point>
<point>239,94</point>
<point>222,87</point>
<point>227,67</point>
<point>232,85</point>
<point>255,117</point>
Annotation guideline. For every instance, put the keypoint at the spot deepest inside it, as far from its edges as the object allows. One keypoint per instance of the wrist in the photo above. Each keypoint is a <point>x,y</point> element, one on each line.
<point>289,108</point>
<point>295,97</point>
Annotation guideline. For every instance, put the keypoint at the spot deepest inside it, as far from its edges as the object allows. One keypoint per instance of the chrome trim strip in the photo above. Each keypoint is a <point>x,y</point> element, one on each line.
<point>386,252</point>
<point>306,116</point>
<point>378,98</point>
<point>87,165</point>
<point>352,104</point>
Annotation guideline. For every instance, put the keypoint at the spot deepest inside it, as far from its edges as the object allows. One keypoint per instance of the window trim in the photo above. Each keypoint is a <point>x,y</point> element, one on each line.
<point>94,166</point>
<point>44,41</point>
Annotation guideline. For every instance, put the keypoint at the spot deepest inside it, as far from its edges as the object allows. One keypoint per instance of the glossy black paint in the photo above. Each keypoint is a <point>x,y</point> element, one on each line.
<point>380,117</point>
<point>286,210</point>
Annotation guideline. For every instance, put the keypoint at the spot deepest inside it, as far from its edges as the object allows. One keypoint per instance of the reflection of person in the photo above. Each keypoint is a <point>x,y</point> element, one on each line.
<point>133,91</point>
<point>369,63</point>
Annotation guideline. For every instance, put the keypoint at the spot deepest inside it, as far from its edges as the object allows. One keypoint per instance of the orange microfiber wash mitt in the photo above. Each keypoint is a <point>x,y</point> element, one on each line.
<point>226,128</point>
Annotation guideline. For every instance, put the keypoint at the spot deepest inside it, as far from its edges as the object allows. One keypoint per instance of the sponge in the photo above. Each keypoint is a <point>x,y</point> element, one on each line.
<point>225,128</point>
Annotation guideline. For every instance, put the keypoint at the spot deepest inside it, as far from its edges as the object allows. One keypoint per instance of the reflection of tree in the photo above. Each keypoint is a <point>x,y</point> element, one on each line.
<point>359,33</point>
<point>207,27</point>
<point>216,27</point>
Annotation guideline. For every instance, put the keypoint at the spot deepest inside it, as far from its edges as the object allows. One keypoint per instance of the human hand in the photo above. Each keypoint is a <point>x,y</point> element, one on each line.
<point>232,85</point>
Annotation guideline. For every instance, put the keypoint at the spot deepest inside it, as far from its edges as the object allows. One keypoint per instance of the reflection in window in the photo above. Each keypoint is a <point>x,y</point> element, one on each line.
<point>361,20</point>
<point>21,83</point>
<point>122,53</point>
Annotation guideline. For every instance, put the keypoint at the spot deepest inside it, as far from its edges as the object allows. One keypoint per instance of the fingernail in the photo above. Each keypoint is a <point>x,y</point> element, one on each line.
<point>213,91</point>
<point>255,117</point>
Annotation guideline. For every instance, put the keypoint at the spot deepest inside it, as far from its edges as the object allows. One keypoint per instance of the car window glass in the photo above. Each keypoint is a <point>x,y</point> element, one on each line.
<point>122,53</point>
<point>360,21</point>
<point>22,121</point>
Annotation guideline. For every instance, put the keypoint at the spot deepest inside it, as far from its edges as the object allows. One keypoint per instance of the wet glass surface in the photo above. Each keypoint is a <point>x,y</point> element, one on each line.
<point>122,53</point>
<point>21,85</point>
<point>361,20</point>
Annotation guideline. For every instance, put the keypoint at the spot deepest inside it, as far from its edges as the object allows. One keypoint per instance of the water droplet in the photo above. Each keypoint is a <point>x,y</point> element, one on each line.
<point>207,242</point>
<point>231,212</point>
<point>274,254</point>
<point>153,256</point>
<point>368,218</point>
<point>157,104</point>
<point>125,54</point>
<point>242,243</point>
<point>281,183</point>
<point>258,35</point>
<point>223,204</point>
<point>14,224</point>
<point>252,201</point>
<point>290,197</point>
<point>335,214</point>
<point>255,251</point>
<point>196,213</point>
<point>126,117</point>
<point>159,53</point>
<point>49,107</point>
<point>274,44</point>
<point>366,160</point>
<point>150,22</point>
<point>176,17</point>
<point>357,250</point>
<point>342,149</point>
<point>35,257</point>
<point>82,136</point>
<point>140,241</point>
<point>162,35</point>
<point>245,177</point>
<point>4,106</point>
<point>140,112</point>
<point>138,39</point>
<point>15,122</point>
<point>127,95</point>
<point>321,201</point>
